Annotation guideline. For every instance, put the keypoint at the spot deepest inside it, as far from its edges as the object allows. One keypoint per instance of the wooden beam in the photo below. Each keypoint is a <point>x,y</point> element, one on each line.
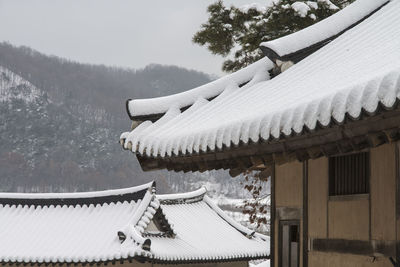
<point>392,134</point>
<point>346,146</point>
<point>358,247</point>
<point>257,161</point>
<point>375,139</point>
<point>314,152</point>
<point>302,155</point>
<point>268,159</point>
<point>369,131</point>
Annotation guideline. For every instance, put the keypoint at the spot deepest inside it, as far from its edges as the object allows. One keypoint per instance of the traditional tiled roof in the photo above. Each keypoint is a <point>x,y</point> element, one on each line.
<point>300,44</point>
<point>70,227</point>
<point>118,225</point>
<point>142,109</point>
<point>204,232</point>
<point>356,73</point>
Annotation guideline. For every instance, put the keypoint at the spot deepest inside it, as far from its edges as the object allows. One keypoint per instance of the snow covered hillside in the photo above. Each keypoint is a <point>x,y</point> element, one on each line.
<point>13,86</point>
<point>54,142</point>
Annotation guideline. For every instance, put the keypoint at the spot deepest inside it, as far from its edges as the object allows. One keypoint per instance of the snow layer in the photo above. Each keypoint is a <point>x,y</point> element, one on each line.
<point>88,232</point>
<point>64,233</point>
<point>253,73</point>
<point>68,233</point>
<point>356,71</point>
<point>94,194</point>
<point>324,29</point>
<point>301,8</point>
<point>16,87</point>
<point>204,232</point>
<point>198,193</point>
<point>262,8</point>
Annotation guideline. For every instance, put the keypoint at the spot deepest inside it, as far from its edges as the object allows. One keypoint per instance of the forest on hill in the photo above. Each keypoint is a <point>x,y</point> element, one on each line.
<point>60,123</point>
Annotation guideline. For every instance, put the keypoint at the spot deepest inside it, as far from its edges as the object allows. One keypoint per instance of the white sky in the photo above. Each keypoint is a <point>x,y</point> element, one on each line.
<point>128,33</point>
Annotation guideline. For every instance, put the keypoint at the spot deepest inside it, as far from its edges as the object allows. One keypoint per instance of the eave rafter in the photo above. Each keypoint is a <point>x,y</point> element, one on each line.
<point>370,130</point>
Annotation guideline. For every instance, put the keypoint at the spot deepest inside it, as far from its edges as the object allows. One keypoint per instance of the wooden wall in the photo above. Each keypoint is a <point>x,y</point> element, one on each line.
<point>370,217</point>
<point>349,219</point>
<point>318,198</point>
<point>288,185</point>
<point>383,189</point>
<point>319,259</point>
<point>288,199</point>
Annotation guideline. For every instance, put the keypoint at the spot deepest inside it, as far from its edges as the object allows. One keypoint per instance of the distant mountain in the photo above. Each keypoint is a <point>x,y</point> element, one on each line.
<point>99,86</point>
<point>60,123</point>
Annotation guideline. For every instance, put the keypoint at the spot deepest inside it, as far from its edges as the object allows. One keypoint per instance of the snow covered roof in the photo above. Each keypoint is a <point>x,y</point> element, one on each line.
<point>73,227</point>
<point>353,74</point>
<point>142,109</point>
<point>121,224</point>
<point>308,40</point>
<point>204,232</point>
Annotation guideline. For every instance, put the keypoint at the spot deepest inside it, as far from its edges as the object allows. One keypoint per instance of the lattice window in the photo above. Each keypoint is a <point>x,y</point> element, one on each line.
<point>349,174</point>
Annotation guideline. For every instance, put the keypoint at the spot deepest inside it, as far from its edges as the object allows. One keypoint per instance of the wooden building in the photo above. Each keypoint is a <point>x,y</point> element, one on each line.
<point>124,227</point>
<point>320,115</point>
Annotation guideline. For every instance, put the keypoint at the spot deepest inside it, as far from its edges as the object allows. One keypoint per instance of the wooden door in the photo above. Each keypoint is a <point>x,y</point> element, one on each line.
<point>289,243</point>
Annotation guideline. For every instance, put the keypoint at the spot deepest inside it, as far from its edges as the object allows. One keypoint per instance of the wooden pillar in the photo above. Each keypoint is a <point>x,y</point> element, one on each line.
<point>305,213</point>
<point>272,219</point>
<point>397,204</point>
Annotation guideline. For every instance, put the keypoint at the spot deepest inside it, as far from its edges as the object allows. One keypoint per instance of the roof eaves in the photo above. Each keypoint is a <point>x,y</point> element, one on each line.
<point>73,199</point>
<point>242,229</point>
<point>156,116</point>
<point>384,120</point>
<point>183,198</point>
<point>153,108</point>
<point>212,259</point>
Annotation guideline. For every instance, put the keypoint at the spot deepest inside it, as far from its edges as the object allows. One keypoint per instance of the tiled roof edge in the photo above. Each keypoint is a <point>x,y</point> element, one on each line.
<point>185,99</point>
<point>183,198</point>
<point>80,198</point>
<point>244,230</point>
<point>137,258</point>
<point>204,259</point>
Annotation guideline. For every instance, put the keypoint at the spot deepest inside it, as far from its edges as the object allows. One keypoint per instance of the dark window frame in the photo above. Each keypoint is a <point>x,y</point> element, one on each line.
<point>349,174</point>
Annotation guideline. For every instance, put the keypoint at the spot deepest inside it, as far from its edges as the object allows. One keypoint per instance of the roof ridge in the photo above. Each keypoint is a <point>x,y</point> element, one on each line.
<point>135,229</point>
<point>94,197</point>
<point>312,38</point>
<point>181,198</point>
<point>153,108</point>
<point>130,236</point>
<point>242,229</point>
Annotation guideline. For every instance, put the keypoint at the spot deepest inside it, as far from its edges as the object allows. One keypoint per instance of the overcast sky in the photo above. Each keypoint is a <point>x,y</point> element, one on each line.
<point>128,33</point>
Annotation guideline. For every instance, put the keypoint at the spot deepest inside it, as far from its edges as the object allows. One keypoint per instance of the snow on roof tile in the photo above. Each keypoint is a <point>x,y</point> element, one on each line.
<point>96,197</point>
<point>325,29</point>
<point>212,235</point>
<point>96,231</point>
<point>83,231</point>
<point>355,72</point>
<point>250,75</point>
